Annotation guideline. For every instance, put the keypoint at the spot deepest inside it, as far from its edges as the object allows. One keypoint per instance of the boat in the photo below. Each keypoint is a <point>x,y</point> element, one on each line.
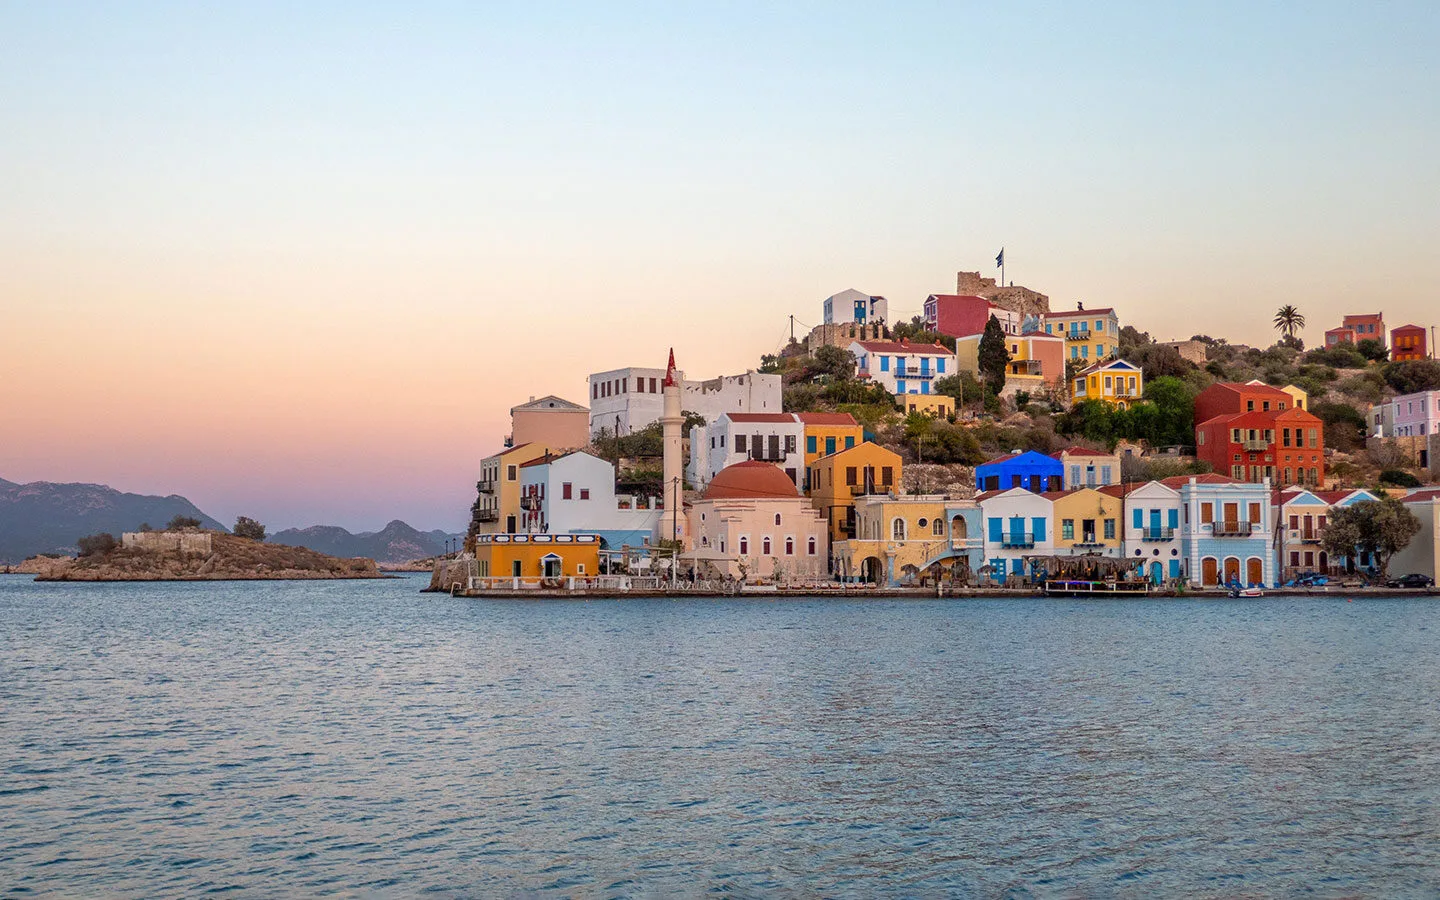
<point>1246,592</point>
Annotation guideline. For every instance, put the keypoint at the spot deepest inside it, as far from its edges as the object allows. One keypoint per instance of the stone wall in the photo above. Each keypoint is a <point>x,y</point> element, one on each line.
<point>842,334</point>
<point>1016,299</point>
<point>1194,351</point>
<point>186,543</point>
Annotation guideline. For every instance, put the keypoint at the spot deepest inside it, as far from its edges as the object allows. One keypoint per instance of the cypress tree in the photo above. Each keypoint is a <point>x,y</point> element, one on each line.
<point>993,356</point>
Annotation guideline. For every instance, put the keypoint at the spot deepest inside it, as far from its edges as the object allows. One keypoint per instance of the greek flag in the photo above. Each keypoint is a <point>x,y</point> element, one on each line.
<point>1000,259</point>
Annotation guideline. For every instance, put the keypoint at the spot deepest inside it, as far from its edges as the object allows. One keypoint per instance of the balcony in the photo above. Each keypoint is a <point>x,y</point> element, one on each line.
<point>1014,540</point>
<point>488,515</point>
<point>1233,529</point>
<point>1088,540</point>
<point>913,375</point>
<point>1256,446</point>
<point>1025,367</point>
<point>530,502</point>
<point>1306,537</point>
<point>864,490</point>
<point>1158,534</point>
<point>485,486</point>
<point>767,455</point>
<point>1077,334</point>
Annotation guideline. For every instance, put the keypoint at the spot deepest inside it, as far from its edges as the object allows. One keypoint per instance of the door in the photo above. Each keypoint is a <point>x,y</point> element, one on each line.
<point>1254,571</point>
<point>1154,523</point>
<point>1208,571</point>
<point>1157,573</point>
<point>1232,569</point>
<point>1232,514</point>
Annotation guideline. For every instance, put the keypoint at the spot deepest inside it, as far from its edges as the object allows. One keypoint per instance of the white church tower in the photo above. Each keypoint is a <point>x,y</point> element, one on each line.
<point>672,521</point>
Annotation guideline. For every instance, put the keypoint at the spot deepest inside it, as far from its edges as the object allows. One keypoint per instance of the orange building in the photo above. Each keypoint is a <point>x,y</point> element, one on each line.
<point>1354,329</point>
<point>1408,342</point>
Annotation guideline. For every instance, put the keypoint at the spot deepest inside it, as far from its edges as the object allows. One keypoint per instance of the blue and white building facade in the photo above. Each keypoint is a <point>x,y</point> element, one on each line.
<point>1017,525</point>
<point>1152,535</point>
<point>900,366</point>
<point>1227,530</point>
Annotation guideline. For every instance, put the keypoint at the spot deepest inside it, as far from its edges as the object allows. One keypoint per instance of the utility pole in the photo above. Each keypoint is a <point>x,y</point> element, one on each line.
<point>792,328</point>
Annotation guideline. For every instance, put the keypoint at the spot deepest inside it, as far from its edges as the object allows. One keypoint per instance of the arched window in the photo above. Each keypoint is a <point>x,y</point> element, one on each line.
<point>789,546</point>
<point>777,518</point>
<point>812,546</point>
<point>704,541</point>
<point>765,546</point>
<point>937,528</point>
<point>744,546</point>
<point>897,530</point>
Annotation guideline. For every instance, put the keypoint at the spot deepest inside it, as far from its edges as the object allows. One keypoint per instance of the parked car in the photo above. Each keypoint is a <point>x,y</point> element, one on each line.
<point>1413,580</point>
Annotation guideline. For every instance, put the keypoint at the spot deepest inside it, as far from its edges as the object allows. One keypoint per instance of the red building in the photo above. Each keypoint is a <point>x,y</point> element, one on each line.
<point>958,315</point>
<point>1408,342</point>
<point>1354,329</point>
<point>1252,432</point>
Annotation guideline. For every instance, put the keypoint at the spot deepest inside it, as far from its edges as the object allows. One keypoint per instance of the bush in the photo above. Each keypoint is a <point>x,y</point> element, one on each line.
<point>1344,425</point>
<point>181,522</point>
<point>1368,386</point>
<point>1341,356</point>
<point>247,527</point>
<point>1413,376</point>
<point>1399,478</point>
<point>97,544</point>
<point>1372,349</point>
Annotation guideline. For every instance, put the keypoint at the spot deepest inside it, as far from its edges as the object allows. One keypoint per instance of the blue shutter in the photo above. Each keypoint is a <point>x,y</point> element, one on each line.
<point>1138,519</point>
<point>995,530</point>
<point>1174,568</point>
<point>940,365</point>
<point>1038,525</point>
<point>884,363</point>
<point>1174,518</point>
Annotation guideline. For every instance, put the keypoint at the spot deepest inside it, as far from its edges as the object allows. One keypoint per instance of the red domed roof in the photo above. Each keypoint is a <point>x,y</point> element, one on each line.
<point>751,480</point>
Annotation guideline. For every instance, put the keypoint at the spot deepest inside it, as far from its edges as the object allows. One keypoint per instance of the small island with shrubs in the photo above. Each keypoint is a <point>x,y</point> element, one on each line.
<point>183,551</point>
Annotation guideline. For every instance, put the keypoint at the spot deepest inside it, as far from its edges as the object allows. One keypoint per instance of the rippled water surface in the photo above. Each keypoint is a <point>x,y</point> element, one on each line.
<point>363,739</point>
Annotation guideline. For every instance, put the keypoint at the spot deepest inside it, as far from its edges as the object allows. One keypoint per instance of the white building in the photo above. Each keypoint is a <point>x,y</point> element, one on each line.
<point>1017,525</point>
<point>575,494</point>
<point>1152,529</point>
<point>900,366</point>
<point>623,401</point>
<point>1087,468</point>
<point>853,307</point>
<point>735,437</point>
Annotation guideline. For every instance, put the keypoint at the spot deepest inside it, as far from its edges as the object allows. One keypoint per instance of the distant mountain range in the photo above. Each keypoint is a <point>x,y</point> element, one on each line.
<point>395,543</point>
<point>43,517</point>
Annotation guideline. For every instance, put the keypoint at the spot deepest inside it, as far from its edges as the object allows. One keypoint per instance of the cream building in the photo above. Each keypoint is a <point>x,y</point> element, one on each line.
<point>752,524</point>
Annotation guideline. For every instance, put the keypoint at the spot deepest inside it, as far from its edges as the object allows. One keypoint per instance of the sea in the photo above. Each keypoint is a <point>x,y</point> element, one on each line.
<point>362,739</point>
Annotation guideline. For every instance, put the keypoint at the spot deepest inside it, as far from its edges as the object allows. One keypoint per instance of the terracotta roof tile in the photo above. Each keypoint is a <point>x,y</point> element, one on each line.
<point>760,417</point>
<point>826,418</point>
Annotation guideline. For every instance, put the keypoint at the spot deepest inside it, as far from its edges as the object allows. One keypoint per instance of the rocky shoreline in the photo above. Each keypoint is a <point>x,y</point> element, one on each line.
<point>230,559</point>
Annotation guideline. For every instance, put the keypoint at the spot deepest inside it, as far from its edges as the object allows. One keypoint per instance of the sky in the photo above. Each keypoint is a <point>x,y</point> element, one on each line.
<point>297,261</point>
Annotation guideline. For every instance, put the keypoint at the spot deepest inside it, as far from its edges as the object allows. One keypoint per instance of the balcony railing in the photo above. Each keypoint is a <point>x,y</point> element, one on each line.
<point>912,375</point>
<point>863,490</point>
<point>485,486</point>
<point>767,455</point>
<point>1077,334</point>
<point>530,502</point>
<point>1088,540</point>
<point>1026,367</point>
<point>1305,537</point>
<point>1256,446</point>
<point>1233,529</point>
<point>1014,540</point>
<point>488,515</point>
<point>1158,534</point>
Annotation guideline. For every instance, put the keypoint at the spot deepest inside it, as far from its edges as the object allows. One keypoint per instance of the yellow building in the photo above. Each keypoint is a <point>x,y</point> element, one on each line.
<point>1090,334</point>
<point>899,538</point>
<point>836,480</point>
<point>827,433</point>
<point>1116,382</point>
<point>1302,399</point>
<point>1086,521</point>
<point>940,406</point>
<point>498,508</point>
<point>532,557</point>
<point>1036,361</point>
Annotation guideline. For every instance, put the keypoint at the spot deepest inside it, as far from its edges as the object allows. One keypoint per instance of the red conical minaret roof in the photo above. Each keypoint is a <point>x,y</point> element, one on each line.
<point>670,369</point>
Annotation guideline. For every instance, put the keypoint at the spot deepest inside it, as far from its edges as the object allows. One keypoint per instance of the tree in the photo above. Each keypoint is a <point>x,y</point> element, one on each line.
<point>247,527</point>
<point>1413,376</point>
<point>1372,349</point>
<point>1288,320</point>
<point>96,544</point>
<point>835,362</point>
<point>181,522</point>
<point>1340,356</point>
<point>1399,478</point>
<point>994,358</point>
<point>1381,528</point>
<point>1344,425</point>
<point>962,386</point>
<point>1093,420</point>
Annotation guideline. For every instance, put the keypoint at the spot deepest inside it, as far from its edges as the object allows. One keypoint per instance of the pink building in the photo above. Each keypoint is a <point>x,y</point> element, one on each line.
<point>1354,329</point>
<point>958,315</point>
<point>1416,414</point>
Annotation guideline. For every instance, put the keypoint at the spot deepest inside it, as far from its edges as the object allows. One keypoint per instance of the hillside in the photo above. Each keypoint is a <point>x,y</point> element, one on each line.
<point>44,517</point>
<point>230,558</point>
<point>395,543</point>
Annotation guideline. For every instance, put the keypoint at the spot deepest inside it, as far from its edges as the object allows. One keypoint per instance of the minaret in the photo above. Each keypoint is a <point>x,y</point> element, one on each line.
<point>672,522</point>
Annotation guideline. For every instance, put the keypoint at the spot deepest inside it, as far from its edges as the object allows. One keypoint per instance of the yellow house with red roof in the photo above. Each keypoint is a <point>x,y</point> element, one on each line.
<point>836,480</point>
<point>828,433</point>
<point>497,510</point>
<point>1090,334</point>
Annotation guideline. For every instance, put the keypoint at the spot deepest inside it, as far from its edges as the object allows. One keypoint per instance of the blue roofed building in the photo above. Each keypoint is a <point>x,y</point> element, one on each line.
<point>1032,471</point>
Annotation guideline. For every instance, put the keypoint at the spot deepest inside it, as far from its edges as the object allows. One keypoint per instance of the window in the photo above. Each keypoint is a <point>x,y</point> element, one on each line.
<point>789,443</point>
<point>594,391</point>
<point>884,363</point>
<point>739,443</point>
<point>887,476</point>
<point>652,387</point>
<point>1249,405</point>
<point>565,491</point>
<point>1314,435</point>
<point>510,473</point>
<point>810,546</point>
<point>789,546</point>
<point>765,545</point>
<point>1207,513</point>
<point>777,518</point>
<point>897,530</point>
<point>849,441</point>
<point>940,365</point>
<point>811,444</point>
<point>937,527</point>
<point>1067,529</point>
<point>1109,529</point>
<point>744,546</point>
<point>584,493</point>
<point>851,476</point>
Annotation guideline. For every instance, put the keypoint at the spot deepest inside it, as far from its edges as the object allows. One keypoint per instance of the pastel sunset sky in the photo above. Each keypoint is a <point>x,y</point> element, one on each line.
<point>296,261</point>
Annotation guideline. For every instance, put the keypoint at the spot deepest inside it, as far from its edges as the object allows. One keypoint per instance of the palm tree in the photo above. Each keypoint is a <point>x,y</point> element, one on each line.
<point>1288,320</point>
